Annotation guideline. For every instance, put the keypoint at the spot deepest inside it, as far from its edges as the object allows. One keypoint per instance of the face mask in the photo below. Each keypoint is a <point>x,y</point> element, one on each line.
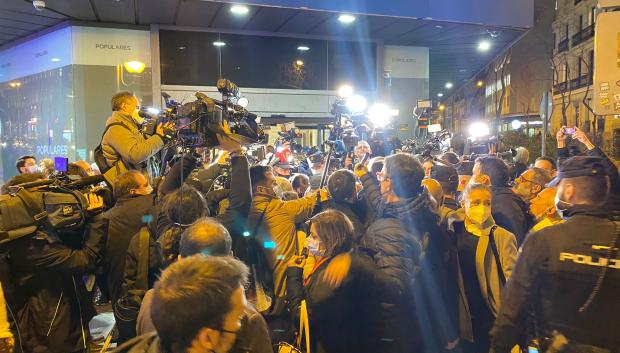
<point>561,205</point>
<point>313,247</point>
<point>32,169</point>
<point>277,190</point>
<point>478,214</point>
<point>136,116</point>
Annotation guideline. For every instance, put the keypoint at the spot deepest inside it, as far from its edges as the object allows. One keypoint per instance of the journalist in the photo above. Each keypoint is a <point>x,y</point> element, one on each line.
<point>123,144</point>
<point>50,300</point>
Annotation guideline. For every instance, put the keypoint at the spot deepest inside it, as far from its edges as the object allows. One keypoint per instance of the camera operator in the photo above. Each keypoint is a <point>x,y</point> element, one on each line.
<point>123,144</point>
<point>50,301</point>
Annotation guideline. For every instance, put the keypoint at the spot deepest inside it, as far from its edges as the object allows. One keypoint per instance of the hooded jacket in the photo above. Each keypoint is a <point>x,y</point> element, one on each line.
<point>486,268</point>
<point>510,212</point>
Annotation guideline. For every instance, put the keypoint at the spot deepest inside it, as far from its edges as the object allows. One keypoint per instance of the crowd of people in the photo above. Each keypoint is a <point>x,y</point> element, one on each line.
<point>396,253</point>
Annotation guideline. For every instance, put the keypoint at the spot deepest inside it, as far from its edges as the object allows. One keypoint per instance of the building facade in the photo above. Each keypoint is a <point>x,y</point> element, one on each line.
<point>573,67</point>
<point>511,86</point>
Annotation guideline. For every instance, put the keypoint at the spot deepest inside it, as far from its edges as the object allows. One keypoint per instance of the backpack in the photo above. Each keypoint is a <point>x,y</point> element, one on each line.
<point>98,156</point>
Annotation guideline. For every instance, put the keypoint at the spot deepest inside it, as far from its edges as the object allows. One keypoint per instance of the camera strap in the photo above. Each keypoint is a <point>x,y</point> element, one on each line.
<point>500,270</point>
<point>39,215</point>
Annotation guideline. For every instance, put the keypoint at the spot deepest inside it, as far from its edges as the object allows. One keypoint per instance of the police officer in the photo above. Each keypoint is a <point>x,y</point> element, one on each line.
<point>568,273</point>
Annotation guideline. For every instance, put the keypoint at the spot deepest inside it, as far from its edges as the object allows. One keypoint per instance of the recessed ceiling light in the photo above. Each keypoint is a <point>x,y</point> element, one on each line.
<point>449,85</point>
<point>182,47</point>
<point>439,94</point>
<point>219,43</point>
<point>438,26</point>
<point>463,70</point>
<point>55,59</point>
<point>346,18</point>
<point>303,48</point>
<point>484,45</point>
<point>239,9</point>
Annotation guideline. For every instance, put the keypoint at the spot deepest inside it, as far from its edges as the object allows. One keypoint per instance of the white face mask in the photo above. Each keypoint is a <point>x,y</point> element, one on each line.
<point>313,247</point>
<point>32,169</point>
<point>136,117</point>
<point>478,214</point>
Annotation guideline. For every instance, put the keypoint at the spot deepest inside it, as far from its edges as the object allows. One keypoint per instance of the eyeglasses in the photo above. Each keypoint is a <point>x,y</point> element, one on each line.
<point>521,179</point>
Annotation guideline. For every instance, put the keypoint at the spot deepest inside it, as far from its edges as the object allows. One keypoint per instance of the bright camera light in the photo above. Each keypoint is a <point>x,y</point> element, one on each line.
<point>346,18</point>
<point>484,45</point>
<point>345,91</point>
<point>516,124</point>
<point>449,85</point>
<point>153,111</point>
<point>379,115</point>
<point>303,48</point>
<point>134,67</point>
<point>239,9</point>
<point>478,129</point>
<point>357,104</point>
<point>219,43</point>
<point>243,101</point>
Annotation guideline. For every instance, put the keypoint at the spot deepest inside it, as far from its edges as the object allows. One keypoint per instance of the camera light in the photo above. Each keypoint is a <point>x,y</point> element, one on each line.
<point>478,129</point>
<point>345,91</point>
<point>379,114</point>
<point>516,124</point>
<point>153,111</point>
<point>357,103</point>
<point>243,101</point>
<point>134,67</point>
<point>219,43</point>
<point>239,9</point>
<point>346,18</point>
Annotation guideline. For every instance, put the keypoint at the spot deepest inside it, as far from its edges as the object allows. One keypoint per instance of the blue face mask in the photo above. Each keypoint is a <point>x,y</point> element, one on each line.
<point>313,247</point>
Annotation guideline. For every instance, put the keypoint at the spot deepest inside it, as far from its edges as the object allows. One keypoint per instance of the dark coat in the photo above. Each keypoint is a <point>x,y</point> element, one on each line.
<point>126,219</point>
<point>351,211</point>
<point>52,306</point>
<point>148,343</point>
<point>409,246</point>
<point>555,273</point>
<point>338,317</point>
<point>510,212</point>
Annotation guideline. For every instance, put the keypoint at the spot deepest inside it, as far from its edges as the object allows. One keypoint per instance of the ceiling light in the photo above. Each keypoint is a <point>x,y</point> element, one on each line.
<point>239,9</point>
<point>442,107</point>
<point>219,43</point>
<point>438,26</point>
<point>484,45</point>
<point>439,94</point>
<point>346,18</point>
<point>299,62</point>
<point>55,60</point>
<point>449,85</point>
<point>303,48</point>
<point>479,84</point>
<point>182,47</point>
<point>134,67</point>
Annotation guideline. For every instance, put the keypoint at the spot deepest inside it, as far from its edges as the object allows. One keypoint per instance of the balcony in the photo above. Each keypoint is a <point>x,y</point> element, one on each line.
<point>581,81</point>
<point>582,36</point>
<point>560,88</point>
<point>563,46</point>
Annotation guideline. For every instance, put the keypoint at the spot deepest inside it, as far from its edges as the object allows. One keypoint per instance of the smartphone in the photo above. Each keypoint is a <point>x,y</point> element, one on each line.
<point>569,130</point>
<point>365,159</point>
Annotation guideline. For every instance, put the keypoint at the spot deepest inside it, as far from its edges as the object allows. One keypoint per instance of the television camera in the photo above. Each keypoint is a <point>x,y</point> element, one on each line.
<point>198,122</point>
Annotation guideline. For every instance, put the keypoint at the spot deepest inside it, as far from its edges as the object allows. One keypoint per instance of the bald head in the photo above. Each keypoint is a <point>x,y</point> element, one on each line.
<point>543,204</point>
<point>434,188</point>
<point>205,236</point>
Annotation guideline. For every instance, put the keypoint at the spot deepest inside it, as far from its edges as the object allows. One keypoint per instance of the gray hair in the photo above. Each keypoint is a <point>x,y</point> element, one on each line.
<point>523,155</point>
